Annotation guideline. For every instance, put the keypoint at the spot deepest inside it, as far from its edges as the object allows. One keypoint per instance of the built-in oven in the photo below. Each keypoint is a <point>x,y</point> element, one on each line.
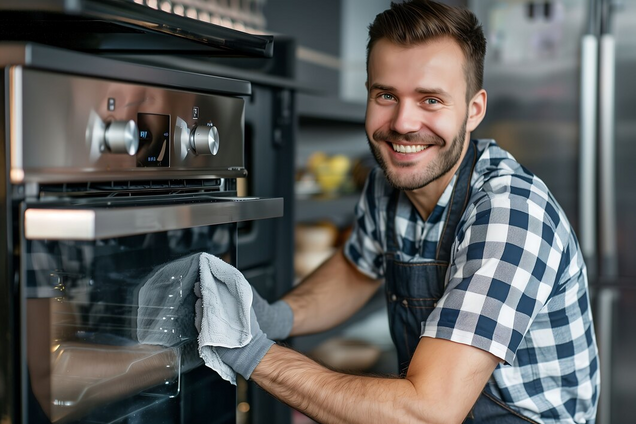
<point>115,175</point>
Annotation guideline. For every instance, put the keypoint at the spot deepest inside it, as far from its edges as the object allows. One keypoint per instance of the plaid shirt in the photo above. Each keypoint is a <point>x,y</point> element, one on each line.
<point>516,285</point>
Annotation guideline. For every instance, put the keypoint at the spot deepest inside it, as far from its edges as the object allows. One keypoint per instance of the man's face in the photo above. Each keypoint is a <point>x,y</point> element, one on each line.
<point>416,110</point>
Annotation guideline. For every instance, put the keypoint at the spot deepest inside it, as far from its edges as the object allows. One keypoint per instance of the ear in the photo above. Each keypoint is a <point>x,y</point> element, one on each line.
<point>476,110</point>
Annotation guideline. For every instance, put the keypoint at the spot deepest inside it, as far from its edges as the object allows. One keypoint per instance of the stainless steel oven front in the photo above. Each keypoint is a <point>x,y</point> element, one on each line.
<point>110,185</point>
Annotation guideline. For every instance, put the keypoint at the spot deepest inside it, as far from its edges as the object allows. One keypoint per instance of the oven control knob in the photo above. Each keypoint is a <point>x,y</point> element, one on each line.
<point>122,137</point>
<point>204,140</point>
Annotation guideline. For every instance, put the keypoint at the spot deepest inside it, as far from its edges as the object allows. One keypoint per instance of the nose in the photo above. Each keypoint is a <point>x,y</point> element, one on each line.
<point>406,118</point>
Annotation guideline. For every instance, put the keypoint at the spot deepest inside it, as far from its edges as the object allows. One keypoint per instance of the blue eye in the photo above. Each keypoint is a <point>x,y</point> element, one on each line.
<point>431,101</point>
<point>386,96</point>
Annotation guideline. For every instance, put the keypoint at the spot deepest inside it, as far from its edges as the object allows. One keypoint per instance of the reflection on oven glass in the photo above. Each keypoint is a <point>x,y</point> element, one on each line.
<point>117,322</point>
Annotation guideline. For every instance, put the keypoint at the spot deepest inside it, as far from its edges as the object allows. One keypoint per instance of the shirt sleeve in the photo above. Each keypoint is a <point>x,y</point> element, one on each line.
<point>363,248</point>
<point>504,268</point>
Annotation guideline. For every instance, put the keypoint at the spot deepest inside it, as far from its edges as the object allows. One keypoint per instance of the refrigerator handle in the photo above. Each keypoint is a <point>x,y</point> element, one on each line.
<point>607,190</point>
<point>608,256</point>
<point>587,146</point>
<point>607,211</point>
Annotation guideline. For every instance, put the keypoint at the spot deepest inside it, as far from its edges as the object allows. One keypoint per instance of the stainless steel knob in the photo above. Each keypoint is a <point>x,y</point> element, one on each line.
<point>204,140</point>
<point>122,137</point>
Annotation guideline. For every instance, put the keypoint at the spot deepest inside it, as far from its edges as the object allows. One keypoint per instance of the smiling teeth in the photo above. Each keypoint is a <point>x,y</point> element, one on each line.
<point>410,148</point>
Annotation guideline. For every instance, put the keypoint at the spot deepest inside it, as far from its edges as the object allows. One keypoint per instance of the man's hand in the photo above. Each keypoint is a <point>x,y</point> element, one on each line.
<point>244,359</point>
<point>276,319</point>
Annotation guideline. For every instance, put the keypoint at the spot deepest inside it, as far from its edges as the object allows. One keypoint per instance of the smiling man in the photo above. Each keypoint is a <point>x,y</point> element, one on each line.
<point>485,282</point>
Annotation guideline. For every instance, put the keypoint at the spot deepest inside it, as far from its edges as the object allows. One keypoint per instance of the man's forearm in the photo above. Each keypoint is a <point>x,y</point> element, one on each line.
<point>331,397</point>
<point>330,295</point>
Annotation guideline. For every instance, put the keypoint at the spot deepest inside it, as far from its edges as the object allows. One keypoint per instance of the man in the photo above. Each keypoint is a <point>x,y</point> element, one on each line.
<point>485,282</point>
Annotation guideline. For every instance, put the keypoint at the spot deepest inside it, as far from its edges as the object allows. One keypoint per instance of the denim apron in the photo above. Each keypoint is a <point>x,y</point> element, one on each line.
<point>413,290</point>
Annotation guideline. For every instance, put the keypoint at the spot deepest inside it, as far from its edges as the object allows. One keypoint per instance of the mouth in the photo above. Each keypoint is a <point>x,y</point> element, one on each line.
<point>409,148</point>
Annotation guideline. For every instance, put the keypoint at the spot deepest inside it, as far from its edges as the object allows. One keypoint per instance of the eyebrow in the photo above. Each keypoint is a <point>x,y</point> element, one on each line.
<point>421,90</point>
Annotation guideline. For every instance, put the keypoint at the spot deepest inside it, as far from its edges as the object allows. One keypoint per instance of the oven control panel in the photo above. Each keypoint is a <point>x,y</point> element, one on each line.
<point>96,127</point>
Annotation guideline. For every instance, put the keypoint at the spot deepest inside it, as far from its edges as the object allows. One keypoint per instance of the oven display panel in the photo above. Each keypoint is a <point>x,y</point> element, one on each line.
<point>154,140</point>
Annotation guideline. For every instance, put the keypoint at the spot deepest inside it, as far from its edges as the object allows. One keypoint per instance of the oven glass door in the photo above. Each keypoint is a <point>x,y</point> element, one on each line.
<point>110,334</point>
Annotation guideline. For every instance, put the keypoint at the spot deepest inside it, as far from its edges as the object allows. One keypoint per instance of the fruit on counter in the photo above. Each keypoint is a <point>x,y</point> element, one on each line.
<point>315,160</point>
<point>339,164</point>
<point>330,172</point>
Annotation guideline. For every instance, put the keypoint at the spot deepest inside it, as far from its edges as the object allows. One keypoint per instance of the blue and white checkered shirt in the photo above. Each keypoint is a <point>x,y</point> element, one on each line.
<point>516,286</point>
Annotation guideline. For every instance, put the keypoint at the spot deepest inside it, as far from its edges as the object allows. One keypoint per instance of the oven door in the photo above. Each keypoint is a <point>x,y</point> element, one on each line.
<point>108,305</point>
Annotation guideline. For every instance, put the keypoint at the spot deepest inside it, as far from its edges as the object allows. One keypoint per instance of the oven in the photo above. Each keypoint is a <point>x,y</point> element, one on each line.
<point>115,174</point>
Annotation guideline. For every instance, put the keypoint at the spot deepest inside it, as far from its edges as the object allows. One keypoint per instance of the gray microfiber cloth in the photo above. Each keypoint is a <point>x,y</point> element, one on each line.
<point>203,290</point>
<point>226,300</point>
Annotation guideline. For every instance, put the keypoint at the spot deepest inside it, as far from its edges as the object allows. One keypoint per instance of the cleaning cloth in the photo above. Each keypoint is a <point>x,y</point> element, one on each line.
<point>226,300</point>
<point>200,294</point>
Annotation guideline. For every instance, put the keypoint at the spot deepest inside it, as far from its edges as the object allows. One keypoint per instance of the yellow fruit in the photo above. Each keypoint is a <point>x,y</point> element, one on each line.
<point>339,164</point>
<point>330,172</point>
<point>315,160</point>
<point>329,183</point>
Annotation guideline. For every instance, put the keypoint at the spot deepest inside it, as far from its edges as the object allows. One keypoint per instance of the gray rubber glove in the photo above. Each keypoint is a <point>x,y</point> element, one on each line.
<point>276,319</point>
<point>244,359</point>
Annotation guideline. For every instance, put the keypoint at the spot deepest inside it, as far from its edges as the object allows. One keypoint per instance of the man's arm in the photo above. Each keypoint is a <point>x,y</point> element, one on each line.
<point>329,295</point>
<point>443,382</point>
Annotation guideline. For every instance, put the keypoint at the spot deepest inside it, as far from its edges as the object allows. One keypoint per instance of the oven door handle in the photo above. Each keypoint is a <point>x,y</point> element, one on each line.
<point>94,223</point>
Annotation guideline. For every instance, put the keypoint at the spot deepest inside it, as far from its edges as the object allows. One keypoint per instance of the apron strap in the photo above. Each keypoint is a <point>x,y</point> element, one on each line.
<point>391,234</point>
<point>457,204</point>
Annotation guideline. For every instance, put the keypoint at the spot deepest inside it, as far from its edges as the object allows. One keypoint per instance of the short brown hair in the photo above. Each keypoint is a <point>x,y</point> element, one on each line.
<point>417,21</point>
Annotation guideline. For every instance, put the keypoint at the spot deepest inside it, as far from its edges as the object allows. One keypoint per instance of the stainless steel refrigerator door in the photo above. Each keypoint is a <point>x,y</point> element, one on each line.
<point>541,75</point>
<point>617,231</point>
<point>624,31</point>
<point>532,75</point>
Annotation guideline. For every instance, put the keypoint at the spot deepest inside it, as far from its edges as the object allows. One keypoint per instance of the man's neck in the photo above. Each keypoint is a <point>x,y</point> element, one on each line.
<point>424,199</point>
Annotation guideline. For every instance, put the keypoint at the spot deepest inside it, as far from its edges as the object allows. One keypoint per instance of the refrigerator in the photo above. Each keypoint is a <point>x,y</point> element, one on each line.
<point>561,83</point>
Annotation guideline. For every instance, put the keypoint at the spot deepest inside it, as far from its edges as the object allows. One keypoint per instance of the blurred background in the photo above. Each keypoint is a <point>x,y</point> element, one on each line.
<point>560,82</point>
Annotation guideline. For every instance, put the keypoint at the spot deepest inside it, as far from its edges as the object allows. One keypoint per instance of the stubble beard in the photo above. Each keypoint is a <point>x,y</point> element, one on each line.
<point>445,161</point>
